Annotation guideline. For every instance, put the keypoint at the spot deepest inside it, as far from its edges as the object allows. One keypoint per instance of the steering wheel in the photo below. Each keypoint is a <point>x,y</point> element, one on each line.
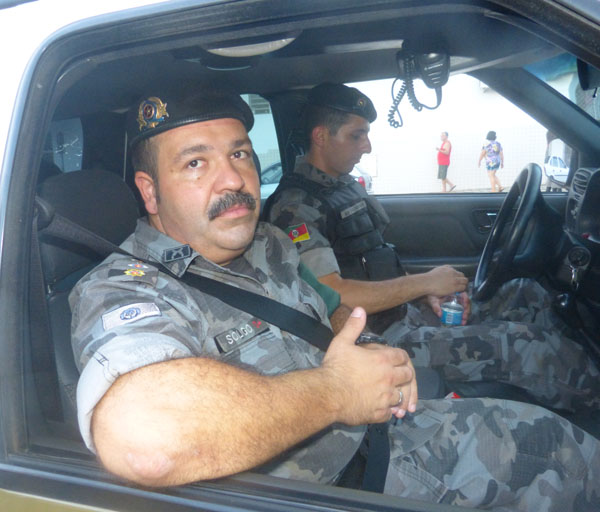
<point>523,194</point>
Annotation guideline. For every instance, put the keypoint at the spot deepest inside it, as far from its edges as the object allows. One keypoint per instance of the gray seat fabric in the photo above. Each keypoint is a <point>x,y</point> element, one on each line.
<point>101,202</point>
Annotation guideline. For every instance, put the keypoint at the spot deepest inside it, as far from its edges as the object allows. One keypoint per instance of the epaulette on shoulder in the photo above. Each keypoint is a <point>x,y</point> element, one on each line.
<point>130,269</point>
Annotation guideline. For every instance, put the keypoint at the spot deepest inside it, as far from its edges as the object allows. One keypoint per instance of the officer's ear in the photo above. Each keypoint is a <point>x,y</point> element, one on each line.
<point>319,135</point>
<point>148,190</point>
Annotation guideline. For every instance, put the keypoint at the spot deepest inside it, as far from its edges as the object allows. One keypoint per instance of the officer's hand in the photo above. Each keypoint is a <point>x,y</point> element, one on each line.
<point>466,303</point>
<point>410,395</point>
<point>364,382</point>
<point>436,305</point>
<point>445,280</point>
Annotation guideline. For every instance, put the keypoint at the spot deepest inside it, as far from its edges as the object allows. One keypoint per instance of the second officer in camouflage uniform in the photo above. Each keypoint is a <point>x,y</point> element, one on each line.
<point>513,338</point>
<point>176,386</point>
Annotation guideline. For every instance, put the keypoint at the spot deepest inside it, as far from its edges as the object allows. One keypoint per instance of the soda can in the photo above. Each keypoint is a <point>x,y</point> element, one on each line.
<point>452,312</point>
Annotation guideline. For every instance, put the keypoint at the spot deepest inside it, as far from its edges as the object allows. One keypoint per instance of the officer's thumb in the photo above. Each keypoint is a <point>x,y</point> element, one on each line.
<point>353,327</point>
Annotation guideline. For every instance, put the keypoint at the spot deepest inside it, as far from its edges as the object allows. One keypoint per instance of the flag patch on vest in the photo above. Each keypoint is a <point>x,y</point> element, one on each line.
<point>298,233</point>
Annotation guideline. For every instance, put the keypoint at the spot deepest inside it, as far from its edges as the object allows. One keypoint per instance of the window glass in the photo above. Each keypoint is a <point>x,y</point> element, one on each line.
<point>405,159</point>
<point>265,144</point>
<point>64,145</point>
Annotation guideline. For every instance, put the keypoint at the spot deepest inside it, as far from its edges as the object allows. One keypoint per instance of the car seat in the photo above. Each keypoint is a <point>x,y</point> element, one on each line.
<point>101,202</point>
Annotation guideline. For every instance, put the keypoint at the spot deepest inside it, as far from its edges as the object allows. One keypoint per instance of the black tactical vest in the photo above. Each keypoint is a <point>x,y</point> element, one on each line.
<point>354,228</point>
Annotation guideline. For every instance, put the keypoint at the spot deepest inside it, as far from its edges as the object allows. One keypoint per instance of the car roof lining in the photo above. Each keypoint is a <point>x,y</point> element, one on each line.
<point>113,78</point>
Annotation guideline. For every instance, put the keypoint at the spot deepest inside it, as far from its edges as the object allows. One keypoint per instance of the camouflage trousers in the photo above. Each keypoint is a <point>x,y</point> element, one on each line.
<point>493,454</point>
<point>514,338</point>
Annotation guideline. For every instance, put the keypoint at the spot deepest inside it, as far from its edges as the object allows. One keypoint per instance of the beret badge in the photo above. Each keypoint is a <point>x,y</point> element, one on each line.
<point>151,113</point>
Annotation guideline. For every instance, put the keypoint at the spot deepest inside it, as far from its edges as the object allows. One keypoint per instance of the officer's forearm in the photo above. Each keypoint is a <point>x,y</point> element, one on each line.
<point>338,318</point>
<point>193,419</point>
<point>375,296</point>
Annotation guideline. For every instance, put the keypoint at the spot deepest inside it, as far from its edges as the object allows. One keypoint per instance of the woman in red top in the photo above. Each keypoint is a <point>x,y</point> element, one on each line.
<point>443,158</point>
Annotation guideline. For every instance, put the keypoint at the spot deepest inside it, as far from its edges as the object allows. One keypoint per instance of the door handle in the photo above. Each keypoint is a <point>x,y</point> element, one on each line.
<point>484,220</point>
<point>491,218</point>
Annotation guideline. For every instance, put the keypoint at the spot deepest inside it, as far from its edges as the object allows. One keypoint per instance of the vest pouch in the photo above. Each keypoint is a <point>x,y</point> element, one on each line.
<point>355,224</point>
<point>361,245</point>
<point>381,264</point>
<point>356,233</point>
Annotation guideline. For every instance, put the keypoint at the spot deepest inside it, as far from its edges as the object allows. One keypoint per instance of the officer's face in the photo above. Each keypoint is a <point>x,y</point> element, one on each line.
<point>209,188</point>
<point>344,149</point>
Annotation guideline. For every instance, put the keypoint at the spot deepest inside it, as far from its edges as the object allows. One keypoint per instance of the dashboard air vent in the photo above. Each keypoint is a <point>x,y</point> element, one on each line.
<point>580,181</point>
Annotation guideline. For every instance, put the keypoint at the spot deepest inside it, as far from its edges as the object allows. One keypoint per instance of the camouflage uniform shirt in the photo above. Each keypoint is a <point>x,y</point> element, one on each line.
<point>127,314</point>
<point>477,452</point>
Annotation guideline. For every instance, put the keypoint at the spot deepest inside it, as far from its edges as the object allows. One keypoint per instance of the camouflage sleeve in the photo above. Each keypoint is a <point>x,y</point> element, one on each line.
<point>304,221</point>
<point>125,318</point>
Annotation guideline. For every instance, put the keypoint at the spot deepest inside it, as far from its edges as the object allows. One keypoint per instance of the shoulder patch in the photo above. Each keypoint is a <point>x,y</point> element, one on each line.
<point>130,313</point>
<point>298,233</point>
<point>133,270</point>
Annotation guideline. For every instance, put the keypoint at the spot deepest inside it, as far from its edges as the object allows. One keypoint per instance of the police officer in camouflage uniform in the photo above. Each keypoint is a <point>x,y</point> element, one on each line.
<point>338,230</point>
<point>177,386</point>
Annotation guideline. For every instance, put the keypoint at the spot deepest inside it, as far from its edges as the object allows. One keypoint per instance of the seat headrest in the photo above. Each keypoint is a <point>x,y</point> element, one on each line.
<point>97,200</point>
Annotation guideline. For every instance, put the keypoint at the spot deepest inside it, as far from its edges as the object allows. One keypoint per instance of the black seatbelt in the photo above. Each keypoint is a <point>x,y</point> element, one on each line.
<point>378,458</point>
<point>42,358</point>
<point>289,319</point>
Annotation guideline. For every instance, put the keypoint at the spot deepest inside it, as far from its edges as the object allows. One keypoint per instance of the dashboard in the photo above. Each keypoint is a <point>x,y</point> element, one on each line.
<point>582,225</point>
<point>583,205</point>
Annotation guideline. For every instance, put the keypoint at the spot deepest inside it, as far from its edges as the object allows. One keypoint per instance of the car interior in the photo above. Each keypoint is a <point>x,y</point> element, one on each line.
<point>71,166</point>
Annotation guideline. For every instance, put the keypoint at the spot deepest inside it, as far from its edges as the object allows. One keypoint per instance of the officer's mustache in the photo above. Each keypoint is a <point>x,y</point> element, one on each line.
<point>229,200</point>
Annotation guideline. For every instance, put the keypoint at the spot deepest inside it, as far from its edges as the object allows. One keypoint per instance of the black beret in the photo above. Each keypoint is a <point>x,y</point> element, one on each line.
<point>344,98</point>
<point>154,114</point>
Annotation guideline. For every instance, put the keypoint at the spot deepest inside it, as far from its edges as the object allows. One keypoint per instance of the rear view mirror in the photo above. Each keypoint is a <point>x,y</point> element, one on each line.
<point>589,76</point>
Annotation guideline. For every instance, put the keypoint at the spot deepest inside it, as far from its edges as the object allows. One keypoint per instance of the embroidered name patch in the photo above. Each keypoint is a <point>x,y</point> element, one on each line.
<point>361,205</point>
<point>298,233</point>
<point>128,314</point>
<point>232,338</point>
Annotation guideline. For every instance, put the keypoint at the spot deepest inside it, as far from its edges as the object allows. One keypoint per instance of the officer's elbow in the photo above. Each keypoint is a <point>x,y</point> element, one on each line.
<point>150,469</point>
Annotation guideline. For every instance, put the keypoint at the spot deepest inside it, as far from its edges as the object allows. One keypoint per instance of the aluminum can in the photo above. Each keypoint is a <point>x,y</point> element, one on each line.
<point>452,312</point>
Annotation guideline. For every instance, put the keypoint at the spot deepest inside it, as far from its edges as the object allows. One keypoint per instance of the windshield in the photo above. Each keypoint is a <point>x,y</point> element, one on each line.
<point>560,73</point>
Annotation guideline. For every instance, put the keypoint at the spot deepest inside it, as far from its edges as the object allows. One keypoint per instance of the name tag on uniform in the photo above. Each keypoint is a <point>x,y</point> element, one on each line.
<point>361,205</point>
<point>235,337</point>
